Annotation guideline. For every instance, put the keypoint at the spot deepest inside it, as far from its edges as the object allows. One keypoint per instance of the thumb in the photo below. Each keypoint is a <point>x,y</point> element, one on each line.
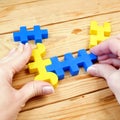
<point>111,75</point>
<point>101,70</point>
<point>33,89</point>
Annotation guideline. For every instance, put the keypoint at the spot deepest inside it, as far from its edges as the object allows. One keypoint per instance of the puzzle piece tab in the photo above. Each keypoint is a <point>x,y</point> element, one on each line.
<point>98,33</point>
<point>71,64</point>
<point>25,35</point>
<point>39,66</point>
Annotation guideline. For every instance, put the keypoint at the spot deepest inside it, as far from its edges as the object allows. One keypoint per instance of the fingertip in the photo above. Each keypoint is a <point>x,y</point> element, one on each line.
<point>35,88</point>
<point>47,90</point>
<point>27,50</point>
<point>93,71</point>
<point>27,46</point>
<point>44,88</point>
<point>101,70</point>
<point>93,50</point>
<point>20,48</point>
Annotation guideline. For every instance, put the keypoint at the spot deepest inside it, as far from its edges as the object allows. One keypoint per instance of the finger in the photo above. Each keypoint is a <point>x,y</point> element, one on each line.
<point>24,57</point>
<point>111,45</point>
<point>5,59</point>
<point>101,70</point>
<point>111,75</point>
<point>112,61</point>
<point>113,82</point>
<point>14,53</point>
<point>16,61</point>
<point>106,56</point>
<point>20,58</point>
<point>33,89</point>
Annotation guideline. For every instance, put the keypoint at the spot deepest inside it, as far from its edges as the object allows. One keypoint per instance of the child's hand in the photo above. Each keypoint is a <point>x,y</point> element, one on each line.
<point>12,100</point>
<point>108,53</point>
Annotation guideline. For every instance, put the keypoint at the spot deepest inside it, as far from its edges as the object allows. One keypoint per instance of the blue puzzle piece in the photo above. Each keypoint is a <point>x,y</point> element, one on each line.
<point>66,65</point>
<point>85,59</point>
<point>71,64</point>
<point>56,67</point>
<point>36,34</point>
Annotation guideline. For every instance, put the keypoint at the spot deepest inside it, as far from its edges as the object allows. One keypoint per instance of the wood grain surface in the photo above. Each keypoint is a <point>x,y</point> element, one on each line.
<point>81,97</point>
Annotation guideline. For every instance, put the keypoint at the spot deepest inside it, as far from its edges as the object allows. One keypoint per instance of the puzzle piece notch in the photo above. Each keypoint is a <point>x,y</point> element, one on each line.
<point>71,64</point>
<point>39,66</point>
<point>98,33</point>
<point>25,35</point>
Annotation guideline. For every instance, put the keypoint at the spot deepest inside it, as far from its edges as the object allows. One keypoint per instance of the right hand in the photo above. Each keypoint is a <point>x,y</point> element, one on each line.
<point>108,53</point>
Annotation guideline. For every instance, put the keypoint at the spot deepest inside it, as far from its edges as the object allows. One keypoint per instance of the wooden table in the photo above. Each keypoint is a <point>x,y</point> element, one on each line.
<point>81,97</point>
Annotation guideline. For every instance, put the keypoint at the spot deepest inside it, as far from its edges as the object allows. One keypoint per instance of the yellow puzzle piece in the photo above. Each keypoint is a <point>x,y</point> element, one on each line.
<point>39,66</point>
<point>98,33</point>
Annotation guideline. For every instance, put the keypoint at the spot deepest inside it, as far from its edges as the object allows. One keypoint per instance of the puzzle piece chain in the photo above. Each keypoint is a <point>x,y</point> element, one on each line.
<point>71,64</point>
<point>98,33</point>
<point>39,66</point>
<point>25,35</point>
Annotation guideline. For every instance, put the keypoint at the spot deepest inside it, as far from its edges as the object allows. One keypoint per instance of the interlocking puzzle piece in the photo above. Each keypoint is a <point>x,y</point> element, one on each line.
<point>93,28</point>
<point>71,64</point>
<point>39,66</point>
<point>107,29</point>
<point>25,35</point>
<point>98,33</point>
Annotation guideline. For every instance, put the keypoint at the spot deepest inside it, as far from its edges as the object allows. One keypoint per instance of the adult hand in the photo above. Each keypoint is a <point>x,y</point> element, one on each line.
<point>12,100</point>
<point>108,53</point>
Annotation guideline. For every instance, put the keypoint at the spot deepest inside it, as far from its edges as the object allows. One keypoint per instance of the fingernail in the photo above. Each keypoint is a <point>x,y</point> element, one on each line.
<point>20,44</point>
<point>26,45</point>
<point>93,71</point>
<point>48,90</point>
<point>20,47</point>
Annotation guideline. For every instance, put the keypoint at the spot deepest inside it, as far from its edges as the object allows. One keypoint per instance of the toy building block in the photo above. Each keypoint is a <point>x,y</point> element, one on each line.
<point>25,35</point>
<point>39,66</point>
<point>93,42</point>
<point>71,64</point>
<point>107,29</point>
<point>93,28</point>
<point>98,33</point>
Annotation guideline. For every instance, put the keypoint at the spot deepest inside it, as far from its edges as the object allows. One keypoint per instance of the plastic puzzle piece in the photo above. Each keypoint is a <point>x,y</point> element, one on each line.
<point>98,33</point>
<point>25,35</point>
<point>71,63</point>
<point>39,66</point>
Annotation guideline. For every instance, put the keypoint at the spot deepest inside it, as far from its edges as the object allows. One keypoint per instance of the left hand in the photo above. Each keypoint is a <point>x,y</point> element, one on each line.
<point>12,100</point>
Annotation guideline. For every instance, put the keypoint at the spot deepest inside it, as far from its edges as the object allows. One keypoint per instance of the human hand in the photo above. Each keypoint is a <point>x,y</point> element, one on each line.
<point>13,100</point>
<point>108,53</point>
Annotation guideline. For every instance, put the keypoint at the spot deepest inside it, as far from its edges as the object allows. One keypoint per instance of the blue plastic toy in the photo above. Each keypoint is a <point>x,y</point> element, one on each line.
<point>36,34</point>
<point>71,64</point>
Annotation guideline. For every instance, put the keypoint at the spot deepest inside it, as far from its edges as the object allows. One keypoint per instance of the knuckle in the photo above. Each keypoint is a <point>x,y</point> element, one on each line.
<point>36,91</point>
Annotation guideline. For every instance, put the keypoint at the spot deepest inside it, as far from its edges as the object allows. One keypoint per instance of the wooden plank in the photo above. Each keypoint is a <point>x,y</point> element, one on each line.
<point>14,14</point>
<point>78,85</point>
<point>57,46</point>
<point>66,37</point>
<point>15,2</point>
<point>99,105</point>
<point>71,87</point>
<point>67,26</point>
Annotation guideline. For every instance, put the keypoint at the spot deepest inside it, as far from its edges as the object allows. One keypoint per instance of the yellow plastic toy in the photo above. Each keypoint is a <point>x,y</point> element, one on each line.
<point>98,33</point>
<point>39,66</point>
